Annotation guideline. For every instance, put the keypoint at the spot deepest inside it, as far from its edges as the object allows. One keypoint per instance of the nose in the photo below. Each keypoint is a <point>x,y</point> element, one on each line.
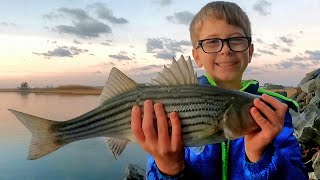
<point>225,48</point>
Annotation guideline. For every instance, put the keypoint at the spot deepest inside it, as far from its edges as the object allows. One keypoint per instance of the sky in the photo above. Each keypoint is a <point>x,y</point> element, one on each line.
<point>63,42</point>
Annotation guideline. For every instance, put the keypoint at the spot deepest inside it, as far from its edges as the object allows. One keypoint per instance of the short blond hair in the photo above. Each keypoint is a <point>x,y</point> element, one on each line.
<point>222,10</point>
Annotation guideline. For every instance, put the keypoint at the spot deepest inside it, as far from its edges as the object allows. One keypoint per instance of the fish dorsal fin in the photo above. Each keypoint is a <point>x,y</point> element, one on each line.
<point>179,73</point>
<point>116,145</point>
<point>116,84</point>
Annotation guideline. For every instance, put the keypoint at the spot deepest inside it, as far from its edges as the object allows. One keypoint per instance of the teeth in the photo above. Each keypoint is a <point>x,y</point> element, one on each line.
<point>225,64</point>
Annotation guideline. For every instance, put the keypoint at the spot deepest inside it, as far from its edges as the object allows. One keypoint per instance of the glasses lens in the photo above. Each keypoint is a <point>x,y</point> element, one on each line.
<point>212,45</point>
<point>215,45</point>
<point>238,43</point>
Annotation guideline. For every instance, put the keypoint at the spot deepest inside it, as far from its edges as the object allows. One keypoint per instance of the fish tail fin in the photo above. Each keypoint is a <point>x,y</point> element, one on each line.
<point>43,140</point>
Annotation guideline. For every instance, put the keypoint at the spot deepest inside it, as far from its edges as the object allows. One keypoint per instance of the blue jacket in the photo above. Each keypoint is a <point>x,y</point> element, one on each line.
<point>281,160</point>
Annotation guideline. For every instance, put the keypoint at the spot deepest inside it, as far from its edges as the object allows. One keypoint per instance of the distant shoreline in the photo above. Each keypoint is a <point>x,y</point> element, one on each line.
<point>58,90</point>
<point>87,90</point>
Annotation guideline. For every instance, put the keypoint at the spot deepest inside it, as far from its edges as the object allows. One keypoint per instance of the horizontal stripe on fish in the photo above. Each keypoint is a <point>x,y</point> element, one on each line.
<point>186,111</point>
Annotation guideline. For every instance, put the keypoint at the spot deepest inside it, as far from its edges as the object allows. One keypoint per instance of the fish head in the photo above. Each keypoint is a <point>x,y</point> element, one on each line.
<point>237,120</point>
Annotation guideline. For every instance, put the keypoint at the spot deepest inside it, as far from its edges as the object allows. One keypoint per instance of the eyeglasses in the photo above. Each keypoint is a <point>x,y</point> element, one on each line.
<point>214,45</point>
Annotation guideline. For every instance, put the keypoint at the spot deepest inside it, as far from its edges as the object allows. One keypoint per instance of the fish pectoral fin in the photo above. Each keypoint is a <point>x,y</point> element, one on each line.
<point>197,150</point>
<point>116,145</point>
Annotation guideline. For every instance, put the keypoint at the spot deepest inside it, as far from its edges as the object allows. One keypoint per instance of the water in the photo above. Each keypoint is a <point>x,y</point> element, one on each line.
<point>86,159</point>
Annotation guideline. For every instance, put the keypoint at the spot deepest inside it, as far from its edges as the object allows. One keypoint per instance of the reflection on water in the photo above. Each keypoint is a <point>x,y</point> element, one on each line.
<point>87,159</point>
<point>24,93</point>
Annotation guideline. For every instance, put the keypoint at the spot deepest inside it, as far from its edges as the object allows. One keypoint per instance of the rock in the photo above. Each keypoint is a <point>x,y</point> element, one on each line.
<point>301,96</point>
<point>316,165</point>
<point>295,95</point>
<point>309,86</point>
<point>317,82</point>
<point>309,137</point>
<point>306,118</point>
<point>309,76</point>
<point>308,98</point>
<point>312,176</point>
<point>317,93</point>
<point>283,93</point>
<point>134,172</point>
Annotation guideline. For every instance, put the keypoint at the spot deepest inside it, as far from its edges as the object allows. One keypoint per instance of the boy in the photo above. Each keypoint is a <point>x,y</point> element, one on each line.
<point>221,39</point>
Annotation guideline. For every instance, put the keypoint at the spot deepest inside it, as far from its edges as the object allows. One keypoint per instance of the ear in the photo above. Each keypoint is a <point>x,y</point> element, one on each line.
<point>195,54</point>
<point>251,49</point>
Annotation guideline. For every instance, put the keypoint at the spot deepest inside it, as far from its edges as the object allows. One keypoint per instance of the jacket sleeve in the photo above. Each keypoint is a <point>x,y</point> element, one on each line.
<point>281,160</point>
<point>155,174</point>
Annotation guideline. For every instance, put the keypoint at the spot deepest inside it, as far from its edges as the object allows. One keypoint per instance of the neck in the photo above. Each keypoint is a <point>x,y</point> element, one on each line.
<point>235,84</point>
<point>230,85</point>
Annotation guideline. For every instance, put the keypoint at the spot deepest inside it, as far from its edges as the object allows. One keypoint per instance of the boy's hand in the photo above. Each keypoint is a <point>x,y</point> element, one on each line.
<point>271,123</point>
<point>168,151</point>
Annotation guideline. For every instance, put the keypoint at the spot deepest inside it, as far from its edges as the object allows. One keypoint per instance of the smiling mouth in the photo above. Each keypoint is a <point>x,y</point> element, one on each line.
<point>226,64</point>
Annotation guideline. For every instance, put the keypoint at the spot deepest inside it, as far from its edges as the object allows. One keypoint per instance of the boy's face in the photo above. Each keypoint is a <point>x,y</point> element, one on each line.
<point>226,65</point>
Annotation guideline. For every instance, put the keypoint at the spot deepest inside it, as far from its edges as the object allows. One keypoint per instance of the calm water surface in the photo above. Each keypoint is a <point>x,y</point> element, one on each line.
<point>86,159</point>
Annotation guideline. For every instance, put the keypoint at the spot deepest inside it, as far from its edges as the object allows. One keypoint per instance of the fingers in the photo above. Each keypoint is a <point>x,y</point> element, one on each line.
<point>265,109</point>
<point>176,136</point>
<point>162,124</point>
<point>136,124</point>
<point>279,106</point>
<point>275,103</point>
<point>269,115</point>
<point>260,120</point>
<point>147,123</point>
<point>157,142</point>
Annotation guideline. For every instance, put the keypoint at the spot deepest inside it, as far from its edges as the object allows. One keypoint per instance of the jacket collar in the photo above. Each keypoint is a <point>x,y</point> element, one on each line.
<point>250,86</point>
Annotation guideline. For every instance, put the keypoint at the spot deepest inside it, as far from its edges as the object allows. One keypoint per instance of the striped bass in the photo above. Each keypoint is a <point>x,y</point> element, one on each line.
<point>208,114</point>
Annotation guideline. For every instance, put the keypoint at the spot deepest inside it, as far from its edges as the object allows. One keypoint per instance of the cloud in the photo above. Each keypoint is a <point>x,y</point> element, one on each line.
<point>287,40</point>
<point>262,7</point>
<point>78,14</point>
<point>85,29</point>
<point>259,40</point>
<point>107,43</point>
<point>62,51</point>
<point>52,16</point>
<point>287,50</point>
<point>313,55</point>
<point>150,67</point>
<point>292,64</point>
<point>83,26</point>
<point>163,2</point>
<point>255,54</point>
<point>165,48</point>
<point>274,46</point>
<point>266,52</point>
<point>297,58</point>
<point>153,44</point>
<point>107,14</point>
<point>76,42</point>
<point>165,54</point>
<point>122,55</point>
<point>8,24</point>
<point>183,17</point>
<point>304,61</point>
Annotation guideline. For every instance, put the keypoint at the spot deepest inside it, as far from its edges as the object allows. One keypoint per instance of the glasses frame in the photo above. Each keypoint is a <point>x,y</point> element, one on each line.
<point>199,43</point>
